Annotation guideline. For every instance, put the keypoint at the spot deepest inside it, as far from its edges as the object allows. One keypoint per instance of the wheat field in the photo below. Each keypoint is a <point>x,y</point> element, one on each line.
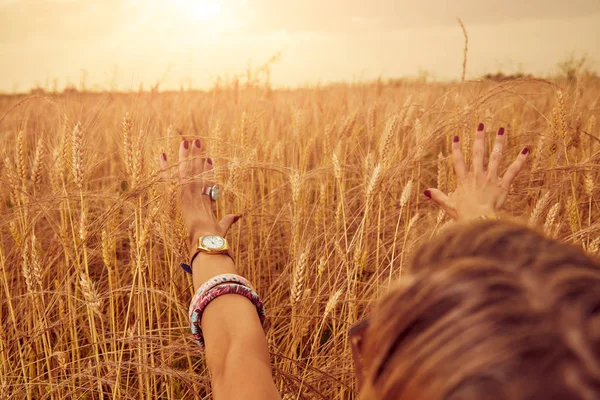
<point>329,180</point>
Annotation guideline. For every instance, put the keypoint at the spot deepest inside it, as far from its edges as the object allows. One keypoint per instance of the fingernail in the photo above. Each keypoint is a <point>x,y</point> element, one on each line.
<point>500,131</point>
<point>197,143</point>
<point>164,156</point>
<point>209,160</point>
<point>427,193</point>
<point>236,218</point>
<point>186,144</point>
<point>480,127</point>
<point>525,151</point>
<point>456,139</point>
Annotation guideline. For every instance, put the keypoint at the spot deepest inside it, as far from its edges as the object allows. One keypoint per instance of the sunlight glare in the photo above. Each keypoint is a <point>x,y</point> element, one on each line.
<point>199,10</point>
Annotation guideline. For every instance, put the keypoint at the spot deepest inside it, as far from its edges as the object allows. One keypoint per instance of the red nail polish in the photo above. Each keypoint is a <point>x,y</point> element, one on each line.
<point>500,131</point>
<point>209,160</point>
<point>236,218</point>
<point>427,193</point>
<point>164,156</point>
<point>480,127</point>
<point>197,143</point>
<point>186,144</point>
<point>456,139</point>
<point>525,151</point>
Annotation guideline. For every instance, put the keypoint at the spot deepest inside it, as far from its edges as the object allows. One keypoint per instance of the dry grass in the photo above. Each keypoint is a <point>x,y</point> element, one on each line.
<point>92,301</point>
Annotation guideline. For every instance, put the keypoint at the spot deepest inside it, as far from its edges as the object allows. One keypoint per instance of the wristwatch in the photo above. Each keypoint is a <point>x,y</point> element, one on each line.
<point>213,245</point>
<point>210,244</point>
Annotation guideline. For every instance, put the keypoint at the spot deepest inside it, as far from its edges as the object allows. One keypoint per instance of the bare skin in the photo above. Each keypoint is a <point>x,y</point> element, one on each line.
<point>236,347</point>
<point>478,192</point>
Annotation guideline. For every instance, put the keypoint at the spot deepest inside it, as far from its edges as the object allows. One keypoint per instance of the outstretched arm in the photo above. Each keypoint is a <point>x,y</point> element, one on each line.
<point>236,348</point>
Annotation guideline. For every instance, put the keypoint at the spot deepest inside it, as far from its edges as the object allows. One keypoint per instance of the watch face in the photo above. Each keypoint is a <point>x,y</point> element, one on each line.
<point>213,242</point>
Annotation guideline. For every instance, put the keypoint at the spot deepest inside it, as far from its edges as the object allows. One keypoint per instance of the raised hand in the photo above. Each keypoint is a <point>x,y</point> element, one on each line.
<point>479,193</point>
<point>196,174</point>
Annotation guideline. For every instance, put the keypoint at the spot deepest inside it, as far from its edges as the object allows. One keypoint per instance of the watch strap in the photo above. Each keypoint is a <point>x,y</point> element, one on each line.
<point>188,267</point>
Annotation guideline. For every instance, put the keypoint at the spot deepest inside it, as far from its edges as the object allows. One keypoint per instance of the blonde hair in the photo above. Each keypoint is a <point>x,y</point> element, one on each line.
<point>493,310</point>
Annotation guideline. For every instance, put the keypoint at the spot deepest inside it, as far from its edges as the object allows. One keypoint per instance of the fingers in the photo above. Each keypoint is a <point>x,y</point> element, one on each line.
<point>443,200</point>
<point>162,162</point>
<point>228,221</point>
<point>184,162</point>
<point>514,169</point>
<point>478,150</point>
<point>196,161</point>
<point>496,154</point>
<point>458,160</point>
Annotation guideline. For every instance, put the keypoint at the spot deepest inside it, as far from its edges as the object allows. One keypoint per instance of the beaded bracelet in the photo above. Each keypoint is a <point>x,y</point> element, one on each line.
<point>214,281</point>
<point>229,288</point>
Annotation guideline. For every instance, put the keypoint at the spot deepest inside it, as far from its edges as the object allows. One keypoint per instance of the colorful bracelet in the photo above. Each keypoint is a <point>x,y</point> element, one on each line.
<point>214,281</point>
<point>229,288</point>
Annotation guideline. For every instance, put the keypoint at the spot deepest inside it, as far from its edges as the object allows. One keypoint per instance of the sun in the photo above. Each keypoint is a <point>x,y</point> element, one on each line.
<point>200,10</point>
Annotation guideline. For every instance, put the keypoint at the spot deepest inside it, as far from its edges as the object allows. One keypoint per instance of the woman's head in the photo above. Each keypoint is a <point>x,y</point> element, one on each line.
<point>492,310</point>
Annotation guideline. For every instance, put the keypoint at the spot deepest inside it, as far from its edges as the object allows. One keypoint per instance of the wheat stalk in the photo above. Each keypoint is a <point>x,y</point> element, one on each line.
<point>332,303</point>
<point>127,130</point>
<point>464,65</point>
<point>374,183</point>
<point>77,155</point>
<point>88,288</point>
<point>21,163</point>
<point>298,281</point>
<point>550,218</point>
<point>594,246</point>
<point>588,183</point>
<point>540,206</point>
<point>391,129</point>
<point>573,217</point>
<point>36,171</point>
<point>405,196</point>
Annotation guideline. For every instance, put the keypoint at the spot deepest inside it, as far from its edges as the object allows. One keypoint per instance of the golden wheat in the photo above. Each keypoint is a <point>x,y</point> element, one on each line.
<point>328,180</point>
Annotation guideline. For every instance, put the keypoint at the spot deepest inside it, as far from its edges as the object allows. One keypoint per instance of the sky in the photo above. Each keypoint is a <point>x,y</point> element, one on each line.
<point>118,44</point>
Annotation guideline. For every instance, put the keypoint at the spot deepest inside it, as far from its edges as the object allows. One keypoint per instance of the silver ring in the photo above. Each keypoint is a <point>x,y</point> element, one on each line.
<point>497,150</point>
<point>213,192</point>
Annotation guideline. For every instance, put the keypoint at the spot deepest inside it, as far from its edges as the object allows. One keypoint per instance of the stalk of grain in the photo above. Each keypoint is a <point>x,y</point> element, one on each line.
<point>21,163</point>
<point>591,130</point>
<point>127,130</point>
<point>332,303</point>
<point>13,181</point>
<point>540,206</point>
<point>573,216</point>
<point>385,149</point>
<point>298,279</point>
<point>466,50</point>
<point>419,139</point>
<point>36,170</point>
<point>374,184</point>
<point>594,246</point>
<point>550,218</point>
<point>337,169</point>
<point>90,294</point>
<point>36,265</point>
<point>77,155</point>
<point>405,196</point>
<point>559,118</point>
<point>26,267</point>
<point>539,154</point>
